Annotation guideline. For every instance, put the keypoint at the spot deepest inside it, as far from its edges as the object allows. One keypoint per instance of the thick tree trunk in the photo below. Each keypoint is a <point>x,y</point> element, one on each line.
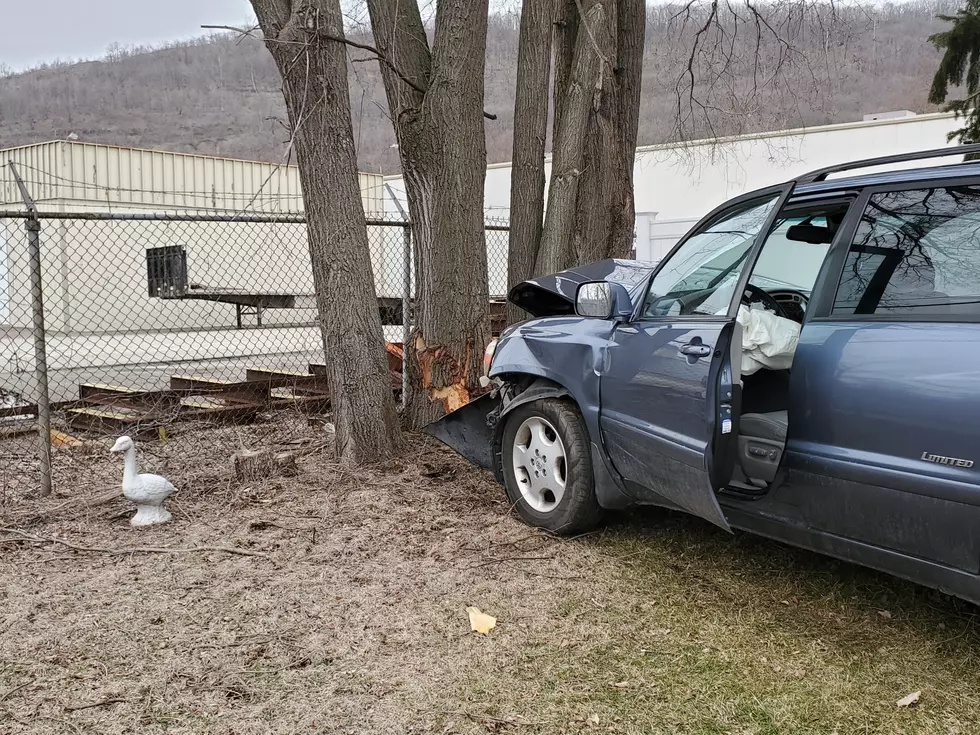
<point>605,214</point>
<point>313,67</point>
<point>436,104</point>
<point>566,31</point>
<point>587,78</point>
<point>530,137</point>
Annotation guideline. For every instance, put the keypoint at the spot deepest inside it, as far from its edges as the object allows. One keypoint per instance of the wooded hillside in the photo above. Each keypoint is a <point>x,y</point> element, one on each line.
<point>220,94</point>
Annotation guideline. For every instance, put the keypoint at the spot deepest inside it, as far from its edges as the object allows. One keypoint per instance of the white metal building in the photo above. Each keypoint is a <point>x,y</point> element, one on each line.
<point>675,185</point>
<point>102,322</point>
<point>95,272</point>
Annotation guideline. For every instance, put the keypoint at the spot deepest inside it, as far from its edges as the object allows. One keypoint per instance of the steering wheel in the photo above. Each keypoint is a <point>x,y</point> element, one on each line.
<point>753,294</point>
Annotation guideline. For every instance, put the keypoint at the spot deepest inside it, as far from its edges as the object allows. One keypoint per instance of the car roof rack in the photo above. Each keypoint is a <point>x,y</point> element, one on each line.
<point>821,174</point>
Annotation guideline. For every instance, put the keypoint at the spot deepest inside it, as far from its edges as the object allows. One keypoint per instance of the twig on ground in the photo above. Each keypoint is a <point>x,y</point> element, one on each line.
<point>24,536</point>
<point>502,559</point>
<point>235,644</point>
<point>485,719</point>
<point>9,692</point>
<point>103,703</point>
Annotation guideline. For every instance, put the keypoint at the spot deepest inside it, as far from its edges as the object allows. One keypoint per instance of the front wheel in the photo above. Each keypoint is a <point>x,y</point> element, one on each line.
<point>547,467</point>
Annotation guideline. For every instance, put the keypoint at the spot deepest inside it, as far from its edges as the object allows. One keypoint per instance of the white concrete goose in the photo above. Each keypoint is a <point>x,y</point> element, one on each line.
<point>147,491</point>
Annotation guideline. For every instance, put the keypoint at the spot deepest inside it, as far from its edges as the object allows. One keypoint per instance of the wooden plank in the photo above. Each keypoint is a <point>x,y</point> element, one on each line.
<point>242,391</point>
<point>29,409</point>
<point>284,379</point>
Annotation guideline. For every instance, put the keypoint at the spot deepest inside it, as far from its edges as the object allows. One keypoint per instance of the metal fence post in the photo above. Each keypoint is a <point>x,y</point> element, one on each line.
<point>406,289</point>
<point>406,307</point>
<point>33,227</point>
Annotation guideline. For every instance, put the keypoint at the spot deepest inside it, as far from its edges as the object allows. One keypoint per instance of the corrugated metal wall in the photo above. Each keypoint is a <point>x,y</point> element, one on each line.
<point>89,176</point>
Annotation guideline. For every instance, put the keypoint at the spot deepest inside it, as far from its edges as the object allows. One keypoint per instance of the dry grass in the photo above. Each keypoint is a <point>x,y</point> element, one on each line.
<point>657,624</point>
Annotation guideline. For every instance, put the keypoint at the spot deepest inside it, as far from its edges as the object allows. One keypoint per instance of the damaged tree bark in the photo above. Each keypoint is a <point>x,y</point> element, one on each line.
<point>435,97</point>
<point>305,38</point>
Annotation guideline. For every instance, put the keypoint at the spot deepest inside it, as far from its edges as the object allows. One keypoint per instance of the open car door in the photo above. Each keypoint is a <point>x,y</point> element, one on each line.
<point>669,389</point>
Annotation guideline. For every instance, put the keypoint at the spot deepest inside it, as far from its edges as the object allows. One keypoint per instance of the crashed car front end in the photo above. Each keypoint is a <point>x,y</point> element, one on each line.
<point>556,354</point>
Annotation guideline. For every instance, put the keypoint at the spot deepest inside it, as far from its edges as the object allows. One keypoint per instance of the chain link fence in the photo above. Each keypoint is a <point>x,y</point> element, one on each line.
<point>134,322</point>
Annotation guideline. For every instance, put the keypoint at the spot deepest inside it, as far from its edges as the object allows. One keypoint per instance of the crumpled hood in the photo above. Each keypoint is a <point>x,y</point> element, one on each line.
<point>554,295</point>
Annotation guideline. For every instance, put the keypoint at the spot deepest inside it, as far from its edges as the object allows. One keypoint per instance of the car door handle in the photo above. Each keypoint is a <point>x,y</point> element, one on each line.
<point>696,350</point>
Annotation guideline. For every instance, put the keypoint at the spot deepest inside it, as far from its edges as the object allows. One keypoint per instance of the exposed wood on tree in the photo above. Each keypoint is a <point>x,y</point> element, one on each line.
<point>438,121</point>
<point>300,35</point>
<point>530,137</point>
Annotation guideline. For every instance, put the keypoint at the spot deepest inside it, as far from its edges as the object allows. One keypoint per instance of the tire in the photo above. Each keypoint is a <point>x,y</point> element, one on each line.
<point>551,491</point>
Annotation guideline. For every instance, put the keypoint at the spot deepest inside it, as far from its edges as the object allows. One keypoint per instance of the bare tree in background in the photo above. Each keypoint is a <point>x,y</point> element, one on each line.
<point>598,64</point>
<point>435,97</point>
<point>306,40</point>
<point>741,62</point>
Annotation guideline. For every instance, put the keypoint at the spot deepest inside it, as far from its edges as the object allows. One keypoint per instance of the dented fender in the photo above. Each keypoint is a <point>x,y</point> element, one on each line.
<point>538,390</point>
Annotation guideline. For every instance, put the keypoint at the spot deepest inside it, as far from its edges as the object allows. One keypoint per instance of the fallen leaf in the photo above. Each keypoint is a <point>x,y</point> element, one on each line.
<point>909,700</point>
<point>593,719</point>
<point>621,684</point>
<point>480,622</point>
<point>886,614</point>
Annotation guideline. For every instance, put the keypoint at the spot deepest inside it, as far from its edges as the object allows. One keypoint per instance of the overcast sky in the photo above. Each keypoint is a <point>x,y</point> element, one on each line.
<point>39,31</point>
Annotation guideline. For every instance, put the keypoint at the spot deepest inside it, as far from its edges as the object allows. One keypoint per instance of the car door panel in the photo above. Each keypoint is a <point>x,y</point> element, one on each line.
<point>885,379</point>
<point>875,398</point>
<point>657,426</point>
<point>668,385</point>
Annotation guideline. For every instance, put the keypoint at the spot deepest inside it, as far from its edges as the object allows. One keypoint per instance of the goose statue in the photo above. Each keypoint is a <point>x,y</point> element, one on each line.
<point>147,491</point>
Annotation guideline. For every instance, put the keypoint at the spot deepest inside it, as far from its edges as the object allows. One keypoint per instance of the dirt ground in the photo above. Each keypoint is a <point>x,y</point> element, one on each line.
<point>349,613</point>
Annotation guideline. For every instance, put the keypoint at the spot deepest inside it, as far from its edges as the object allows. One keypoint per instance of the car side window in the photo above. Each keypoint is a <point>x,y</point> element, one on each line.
<point>915,253</point>
<point>701,275</point>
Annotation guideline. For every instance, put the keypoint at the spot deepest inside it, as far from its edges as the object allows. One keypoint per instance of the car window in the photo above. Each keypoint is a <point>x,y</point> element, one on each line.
<point>791,264</point>
<point>915,253</point>
<point>701,275</point>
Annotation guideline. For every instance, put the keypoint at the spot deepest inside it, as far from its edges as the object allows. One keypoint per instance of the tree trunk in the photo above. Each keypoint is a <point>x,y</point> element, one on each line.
<point>587,78</point>
<point>530,137</point>
<point>566,31</point>
<point>436,103</point>
<point>313,67</point>
<point>605,214</point>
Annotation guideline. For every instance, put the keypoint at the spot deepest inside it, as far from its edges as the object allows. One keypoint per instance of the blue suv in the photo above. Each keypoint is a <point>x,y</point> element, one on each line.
<point>803,365</point>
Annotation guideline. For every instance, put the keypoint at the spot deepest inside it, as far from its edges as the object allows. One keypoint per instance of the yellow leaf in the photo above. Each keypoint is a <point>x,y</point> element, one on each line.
<point>909,700</point>
<point>480,622</point>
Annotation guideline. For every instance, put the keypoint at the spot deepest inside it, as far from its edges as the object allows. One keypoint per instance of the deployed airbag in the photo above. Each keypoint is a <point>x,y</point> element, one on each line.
<point>768,341</point>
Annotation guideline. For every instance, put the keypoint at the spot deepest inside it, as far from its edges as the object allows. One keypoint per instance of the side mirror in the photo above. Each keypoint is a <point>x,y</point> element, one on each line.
<point>603,300</point>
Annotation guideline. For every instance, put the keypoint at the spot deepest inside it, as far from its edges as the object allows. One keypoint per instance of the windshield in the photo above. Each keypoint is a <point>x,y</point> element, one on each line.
<point>708,264</point>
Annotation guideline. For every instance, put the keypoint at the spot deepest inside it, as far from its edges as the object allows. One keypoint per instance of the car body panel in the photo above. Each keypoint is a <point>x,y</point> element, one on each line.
<point>554,295</point>
<point>869,401</point>
<point>655,416</point>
